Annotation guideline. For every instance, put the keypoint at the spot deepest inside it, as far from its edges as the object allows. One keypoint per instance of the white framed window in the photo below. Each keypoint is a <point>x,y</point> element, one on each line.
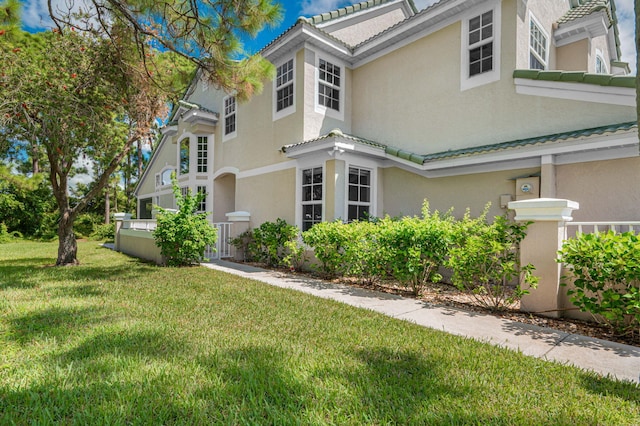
<point>329,87</point>
<point>480,53</point>
<point>203,154</point>
<point>164,177</point>
<point>312,196</point>
<point>202,206</point>
<point>601,65</point>
<point>184,156</point>
<point>229,117</point>
<point>538,45</point>
<point>184,190</point>
<point>284,89</point>
<point>358,193</point>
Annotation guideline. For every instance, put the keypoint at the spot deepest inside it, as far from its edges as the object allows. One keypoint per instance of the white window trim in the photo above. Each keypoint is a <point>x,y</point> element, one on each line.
<point>179,168</point>
<point>226,137</point>
<point>467,82</point>
<point>205,200</point>
<point>159,176</point>
<point>372,189</point>
<point>321,109</point>
<point>208,152</point>
<point>545,60</point>
<point>291,108</point>
<point>604,63</point>
<point>298,208</point>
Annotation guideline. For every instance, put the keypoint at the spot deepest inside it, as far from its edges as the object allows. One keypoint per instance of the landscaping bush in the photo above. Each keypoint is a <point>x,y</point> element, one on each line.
<point>606,268</point>
<point>85,224</point>
<point>184,235</point>
<point>275,243</point>
<point>104,232</point>
<point>361,254</point>
<point>328,240</point>
<point>415,247</point>
<point>5,237</point>
<point>485,260</point>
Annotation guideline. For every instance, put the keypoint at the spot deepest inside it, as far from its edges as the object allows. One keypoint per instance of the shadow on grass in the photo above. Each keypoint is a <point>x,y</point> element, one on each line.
<point>17,273</point>
<point>55,322</point>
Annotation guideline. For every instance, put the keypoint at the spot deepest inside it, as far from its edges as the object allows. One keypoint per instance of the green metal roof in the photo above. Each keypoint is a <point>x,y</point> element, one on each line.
<point>586,9</point>
<point>628,81</point>
<point>465,152</point>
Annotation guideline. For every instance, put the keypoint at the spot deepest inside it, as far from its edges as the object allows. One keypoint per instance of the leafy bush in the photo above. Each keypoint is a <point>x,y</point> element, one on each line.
<point>85,224</point>
<point>415,247</point>
<point>104,232</point>
<point>485,260</point>
<point>606,268</point>
<point>184,235</point>
<point>275,243</point>
<point>5,237</point>
<point>242,242</point>
<point>362,257</point>
<point>328,240</point>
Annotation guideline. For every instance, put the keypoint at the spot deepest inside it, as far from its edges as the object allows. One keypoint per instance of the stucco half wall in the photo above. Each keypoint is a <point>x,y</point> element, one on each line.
<point>404,192</point>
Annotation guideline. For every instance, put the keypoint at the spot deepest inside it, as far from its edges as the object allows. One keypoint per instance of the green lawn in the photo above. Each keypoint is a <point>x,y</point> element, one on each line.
<point>117,341</point>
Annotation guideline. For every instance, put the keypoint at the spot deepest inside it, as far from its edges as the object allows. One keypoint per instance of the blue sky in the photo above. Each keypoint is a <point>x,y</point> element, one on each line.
<point>36,16</point>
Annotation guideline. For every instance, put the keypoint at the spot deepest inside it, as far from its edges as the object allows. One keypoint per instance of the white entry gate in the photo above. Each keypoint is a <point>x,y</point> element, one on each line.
<point>223,243</point>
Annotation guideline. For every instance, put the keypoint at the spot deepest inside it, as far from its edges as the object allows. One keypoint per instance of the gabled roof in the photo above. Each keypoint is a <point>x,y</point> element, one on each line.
<point>421,159</point>
<point>349,10</point>
<point>578,77</point>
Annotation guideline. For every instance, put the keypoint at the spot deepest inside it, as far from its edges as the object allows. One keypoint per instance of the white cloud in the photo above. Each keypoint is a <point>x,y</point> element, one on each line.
<point>315,7</point>
<point>626,27</point>
<point>35,14</point>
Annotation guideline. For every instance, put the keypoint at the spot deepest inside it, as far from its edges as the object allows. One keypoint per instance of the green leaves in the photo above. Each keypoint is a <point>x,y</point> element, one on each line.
<point>184,235</point>
<point>605,270</point>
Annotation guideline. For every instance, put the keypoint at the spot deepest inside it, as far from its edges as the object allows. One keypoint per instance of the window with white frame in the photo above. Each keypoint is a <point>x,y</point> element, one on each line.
<point>312,180</point>
<point>184,191</point>
<point>184,156</point>
<point>537,46</point>
<point>601,65</point>
<point>203,154</point>
<point>284,86</point>
<point>229,116</point>
<point>329,83</point>
<point>202,205</point>
<point>359,194</point>
<point>480,53</point>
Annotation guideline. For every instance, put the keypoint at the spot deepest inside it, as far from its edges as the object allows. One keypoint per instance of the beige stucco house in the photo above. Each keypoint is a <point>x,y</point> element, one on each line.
<point>377,106</point>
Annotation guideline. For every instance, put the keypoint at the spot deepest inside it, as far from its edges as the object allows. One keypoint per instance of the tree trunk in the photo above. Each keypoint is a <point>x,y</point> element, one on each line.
<point>107,205</point>
<point>67,244</point>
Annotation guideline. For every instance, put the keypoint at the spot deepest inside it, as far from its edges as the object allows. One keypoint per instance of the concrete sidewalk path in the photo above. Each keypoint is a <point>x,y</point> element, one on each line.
<point>607,358</point>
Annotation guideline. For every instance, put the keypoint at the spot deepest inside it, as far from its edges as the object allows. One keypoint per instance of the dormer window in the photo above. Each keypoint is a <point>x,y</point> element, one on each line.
<point>537,46</point>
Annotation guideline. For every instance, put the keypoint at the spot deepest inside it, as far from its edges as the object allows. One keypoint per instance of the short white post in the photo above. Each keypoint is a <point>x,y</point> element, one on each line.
<point>540,248</point>
<point>119,218</point>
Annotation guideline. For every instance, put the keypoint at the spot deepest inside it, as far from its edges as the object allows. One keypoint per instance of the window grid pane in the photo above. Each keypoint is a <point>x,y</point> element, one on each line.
<point>202,206</point>
<point>229,115</point>
<point>538,45</point>
<point>311,197</point>
<point>203,154</point>
<point>284,85</point>
<point>359,193</point>
<point>329,85</point>
<point>481,56</point>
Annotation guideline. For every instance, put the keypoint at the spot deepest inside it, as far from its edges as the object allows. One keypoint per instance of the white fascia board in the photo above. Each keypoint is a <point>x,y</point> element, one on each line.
<point>336,144</point>
<point>198,115</point>
<point>169,130</point>
<point>591,26</point>
<point>621,96</point>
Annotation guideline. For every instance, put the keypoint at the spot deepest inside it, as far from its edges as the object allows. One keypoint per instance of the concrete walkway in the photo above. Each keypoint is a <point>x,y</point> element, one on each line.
<point>607,358</point>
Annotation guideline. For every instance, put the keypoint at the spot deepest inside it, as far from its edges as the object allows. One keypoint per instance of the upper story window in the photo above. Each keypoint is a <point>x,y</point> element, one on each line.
<point>537,46</point>
<point>312,180</point>
<point>229,116</point>
<point>359,190</point>
<point>480,54</point>
<point>284,89</point>
<point>202,205</point>
<point>481,43</point>
<point>203,154</point>
<point>329,85</point>
<point>164,178</point>
<point>601,65</point>
<point>184,156</point>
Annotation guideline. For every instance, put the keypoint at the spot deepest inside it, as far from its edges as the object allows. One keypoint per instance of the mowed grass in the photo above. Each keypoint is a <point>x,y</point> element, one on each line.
<point>117,341</point>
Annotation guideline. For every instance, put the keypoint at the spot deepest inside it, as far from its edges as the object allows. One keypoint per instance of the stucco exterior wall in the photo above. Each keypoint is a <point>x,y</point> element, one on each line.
<point>573,56</point>
<point>438,117</point>
<point>140,244</point>
<point>268,196</point>
<point>606,190</point>
<point>405,192</point>
<point>165,156</point>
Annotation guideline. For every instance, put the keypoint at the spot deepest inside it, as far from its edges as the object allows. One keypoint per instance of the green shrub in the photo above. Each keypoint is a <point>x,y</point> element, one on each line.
<point>362,257</point>
<point>606,268</point>
<point>415,247</point>
<point>485,260</point>
<point>5,237</point>
<point>241,244</point>
<point>184,235</point>
<point>104,232</point>
<point>272,243</point>
<point>328,240</point>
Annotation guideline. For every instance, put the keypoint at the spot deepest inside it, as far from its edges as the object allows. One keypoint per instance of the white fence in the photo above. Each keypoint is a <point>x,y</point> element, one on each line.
<point>576,228</point>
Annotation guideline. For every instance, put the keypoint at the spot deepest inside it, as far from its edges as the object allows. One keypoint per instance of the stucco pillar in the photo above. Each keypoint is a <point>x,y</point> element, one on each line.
<point>240,222</point>
<point>547,177</point>
<point>119,218</point>
<point>540,248</point>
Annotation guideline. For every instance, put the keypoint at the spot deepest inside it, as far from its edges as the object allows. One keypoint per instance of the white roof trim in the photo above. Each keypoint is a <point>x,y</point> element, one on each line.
<point>621,96</point>
<point>593,25</point>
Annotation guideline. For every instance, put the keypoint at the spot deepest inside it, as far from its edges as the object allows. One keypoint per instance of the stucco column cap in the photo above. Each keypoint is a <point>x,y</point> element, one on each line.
<point>544,209</point>
<point>238,216</point>
<point>122,216</point>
